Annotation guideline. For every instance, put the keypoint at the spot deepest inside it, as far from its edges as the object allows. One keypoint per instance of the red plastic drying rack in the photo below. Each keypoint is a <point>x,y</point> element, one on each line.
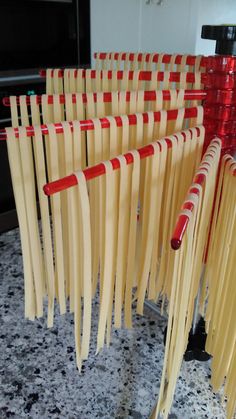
<point>174,76</point>
<point>183,219</point>
<point>166,58</point>
<point>219,82</point>
<point>97,170</point>
<point>149,95</point>
<point>220,102</point>
<point>88,125</point>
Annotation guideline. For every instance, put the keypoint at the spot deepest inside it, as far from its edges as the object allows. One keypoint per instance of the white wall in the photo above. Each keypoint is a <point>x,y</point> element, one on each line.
<point>175,26</point>
<point>213,12</point>
<point>114,25</point>
<point>169,27</point>
<point>132,25</point>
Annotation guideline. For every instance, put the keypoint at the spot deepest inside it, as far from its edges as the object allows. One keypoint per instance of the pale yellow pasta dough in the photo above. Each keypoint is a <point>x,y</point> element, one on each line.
<point>187,265</point>
<point>219,279</point>
<point>19,194</point>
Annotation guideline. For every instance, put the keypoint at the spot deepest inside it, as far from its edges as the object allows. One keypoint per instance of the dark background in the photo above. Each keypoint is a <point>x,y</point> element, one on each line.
<point>35,34</point>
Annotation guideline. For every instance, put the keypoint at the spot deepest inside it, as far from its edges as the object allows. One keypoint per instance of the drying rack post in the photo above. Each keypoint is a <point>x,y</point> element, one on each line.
<point>220,87</point>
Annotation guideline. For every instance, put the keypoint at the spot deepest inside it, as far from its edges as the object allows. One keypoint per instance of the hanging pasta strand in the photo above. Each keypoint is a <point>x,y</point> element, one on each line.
<point>86,267</point>
<point>175,206</point>
<point>165,216</point>
<point>40,171</point>
<point>64,147</point>
<point>15,117</point>
<point>106,281</point>
<point>53,163</point>
<point>148,219</point>
<point>49,82</point>
<point>73,74</point>
<point>57,82</point>
<point>67,80</point>
<point>114,151</point>
<point>70,108</point>
<point>96,145</point>
<point>69,167</point>
<point>132,235</point>
<point>81,267</point>
<point>149,65</point>
<point>122,237</point>
<point>152,289</point>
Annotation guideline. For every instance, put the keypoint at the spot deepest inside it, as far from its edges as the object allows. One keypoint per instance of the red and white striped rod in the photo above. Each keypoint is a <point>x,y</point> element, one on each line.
<point>99,169</point>
<point>88,125</point>
<point>166,58</point>
<point>183,220</point>
<point>149,95</point>
<point>143,75</point>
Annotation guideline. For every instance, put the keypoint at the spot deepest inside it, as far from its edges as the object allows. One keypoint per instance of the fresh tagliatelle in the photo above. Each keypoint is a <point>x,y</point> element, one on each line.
<point>22,171</point>
<point>116,80</point>
<point>108,249</point>
<point>185,274</point>
<point>219,294</point>
<point>53,156</point>
<point>44,109</point>
<point>143,61</point>
<point>116,238</point>
<point>109,238</point>
<point>81,267</point>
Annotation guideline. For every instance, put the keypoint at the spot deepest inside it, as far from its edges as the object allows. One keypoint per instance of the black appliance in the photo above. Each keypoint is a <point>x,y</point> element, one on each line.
<point>35,34</point>
<point>43,33</point>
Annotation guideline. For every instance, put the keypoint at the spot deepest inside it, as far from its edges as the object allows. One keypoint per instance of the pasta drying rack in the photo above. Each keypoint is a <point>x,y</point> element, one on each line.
<point>219,97</point>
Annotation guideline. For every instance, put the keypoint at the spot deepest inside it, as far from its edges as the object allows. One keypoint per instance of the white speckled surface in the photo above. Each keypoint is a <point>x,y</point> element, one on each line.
<point>38,374</point>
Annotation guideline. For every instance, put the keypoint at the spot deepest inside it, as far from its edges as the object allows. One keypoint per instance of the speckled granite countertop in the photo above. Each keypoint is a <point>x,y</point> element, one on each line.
<point>37,365</point>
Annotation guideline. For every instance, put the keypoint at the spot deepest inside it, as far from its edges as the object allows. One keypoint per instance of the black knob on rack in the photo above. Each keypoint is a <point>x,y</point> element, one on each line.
<point>225,36</point>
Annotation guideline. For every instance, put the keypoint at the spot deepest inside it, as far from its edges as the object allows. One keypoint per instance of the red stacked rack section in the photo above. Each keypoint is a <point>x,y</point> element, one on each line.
<point>220,103</point>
